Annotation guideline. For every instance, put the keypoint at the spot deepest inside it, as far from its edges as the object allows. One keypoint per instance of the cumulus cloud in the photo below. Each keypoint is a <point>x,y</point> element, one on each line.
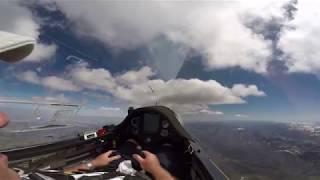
<point>184,95</point>
<point>214,29</point>
<point>226,34</point>
<point>52,82</point>
<point>16,18</point>
<point>29,76</point>
<point>58,83</point>
<point>136,77</point>
<point>246,90</point>
<point>182,91</point>
<point>95,79</point>
<point>299,40</point>
<point>136,87</point>
<point>203,29</point>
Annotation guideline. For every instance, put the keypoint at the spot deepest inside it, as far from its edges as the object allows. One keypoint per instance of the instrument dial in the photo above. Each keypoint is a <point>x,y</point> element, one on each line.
<point>135,121</point>
<point>147,140</point>
<point>165,124</point>
<point>135,131</point>
<point>164,133</point>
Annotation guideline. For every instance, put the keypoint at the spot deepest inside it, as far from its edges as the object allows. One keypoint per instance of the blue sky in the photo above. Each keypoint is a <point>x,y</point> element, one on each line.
<point>248,66</point>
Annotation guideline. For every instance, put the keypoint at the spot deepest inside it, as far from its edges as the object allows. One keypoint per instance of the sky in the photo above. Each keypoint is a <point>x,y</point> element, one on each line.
<point>213,59</point>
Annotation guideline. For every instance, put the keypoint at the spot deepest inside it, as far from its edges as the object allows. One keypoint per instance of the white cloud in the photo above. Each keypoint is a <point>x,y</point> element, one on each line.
<point>135,87</point>
<point>246,90</point>
<point>182,91</point>
<point>188,109</point>
<point>214,29</point>
<point>58,83</point>
<point>41,52</point>
<point>203,28</point>
<point>95,79</point>
<point>29,76</point>
<point>197,111</point>
<point>18,19</point>
<point>136,77</point>
<point>210,112</point>
<point>205,111</point>
<point>299,40</point>
<point>241,115</point>
<point>61,98</point>
<point>51,82</point>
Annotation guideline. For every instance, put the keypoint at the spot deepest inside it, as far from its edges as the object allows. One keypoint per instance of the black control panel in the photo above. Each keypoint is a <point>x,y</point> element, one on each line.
<point>149,127</point>
<point>151,123</point>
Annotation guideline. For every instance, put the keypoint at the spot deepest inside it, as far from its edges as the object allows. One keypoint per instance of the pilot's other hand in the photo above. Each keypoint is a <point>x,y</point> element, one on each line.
<point>151,164</point>
<point>4,120</point>
<point>5,172</point>
<point>104,159</point>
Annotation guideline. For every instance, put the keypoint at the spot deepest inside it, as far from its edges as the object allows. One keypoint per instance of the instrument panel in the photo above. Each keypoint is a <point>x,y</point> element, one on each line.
<point>149,127</point>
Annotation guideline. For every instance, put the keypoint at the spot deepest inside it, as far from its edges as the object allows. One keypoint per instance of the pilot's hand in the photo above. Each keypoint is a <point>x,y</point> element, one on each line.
<point>104,159</point>
<point>5,172</point>
<point>4,120</point>
<point>151,164</point>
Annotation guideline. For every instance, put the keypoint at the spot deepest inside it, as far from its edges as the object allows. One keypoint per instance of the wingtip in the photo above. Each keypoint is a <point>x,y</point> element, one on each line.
<point>14,48</point>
